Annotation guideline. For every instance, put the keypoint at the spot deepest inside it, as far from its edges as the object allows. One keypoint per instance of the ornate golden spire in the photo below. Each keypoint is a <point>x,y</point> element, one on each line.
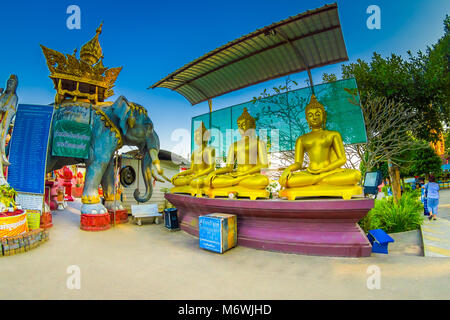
<point>68,72</point>
<point>246,116</point>
<point>91,52</point>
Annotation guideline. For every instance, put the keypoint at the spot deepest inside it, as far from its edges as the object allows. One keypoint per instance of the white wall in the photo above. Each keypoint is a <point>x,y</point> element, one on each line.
<point>170,169</point>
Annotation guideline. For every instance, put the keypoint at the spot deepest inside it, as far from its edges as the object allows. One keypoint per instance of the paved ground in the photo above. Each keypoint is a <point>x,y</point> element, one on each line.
<point>149,262</point>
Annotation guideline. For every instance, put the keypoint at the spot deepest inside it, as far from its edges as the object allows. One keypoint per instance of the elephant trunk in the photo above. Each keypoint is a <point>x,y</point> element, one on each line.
<point>146,165</point>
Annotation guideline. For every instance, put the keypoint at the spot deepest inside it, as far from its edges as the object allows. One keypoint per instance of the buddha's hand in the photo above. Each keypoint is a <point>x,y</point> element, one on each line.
<point>175,177</point>
<point>317,171</point>
<point>284,177</point>
<point>238,174</point>
<point>209,178</point>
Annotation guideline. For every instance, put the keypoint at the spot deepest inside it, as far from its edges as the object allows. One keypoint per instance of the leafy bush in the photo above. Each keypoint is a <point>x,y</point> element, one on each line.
<point>407,187</point>
<point>406,215</point>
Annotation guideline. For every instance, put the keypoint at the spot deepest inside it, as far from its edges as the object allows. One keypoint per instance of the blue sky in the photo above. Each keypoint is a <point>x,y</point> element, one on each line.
<point>150,40</point>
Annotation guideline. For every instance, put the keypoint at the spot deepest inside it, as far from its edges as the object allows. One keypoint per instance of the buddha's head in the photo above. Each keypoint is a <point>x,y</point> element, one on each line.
<point>316,116</point>
<point>201,135</point>
<point>246,124</point>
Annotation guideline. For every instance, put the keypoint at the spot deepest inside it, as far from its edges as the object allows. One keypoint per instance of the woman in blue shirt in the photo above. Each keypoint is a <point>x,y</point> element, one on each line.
<point>432,197</point>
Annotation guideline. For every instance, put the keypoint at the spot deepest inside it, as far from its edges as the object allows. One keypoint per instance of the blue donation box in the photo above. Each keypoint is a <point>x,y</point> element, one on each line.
<point>218,232</point>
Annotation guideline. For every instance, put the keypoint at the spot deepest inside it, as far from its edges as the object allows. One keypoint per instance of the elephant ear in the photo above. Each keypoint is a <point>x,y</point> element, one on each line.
<point>123,111</point>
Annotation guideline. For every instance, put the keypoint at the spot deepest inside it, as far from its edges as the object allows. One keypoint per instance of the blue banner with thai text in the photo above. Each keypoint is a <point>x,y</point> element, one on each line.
<point>28,150</point>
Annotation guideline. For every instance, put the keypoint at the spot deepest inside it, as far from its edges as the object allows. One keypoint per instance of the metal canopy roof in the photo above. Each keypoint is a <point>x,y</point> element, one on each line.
<point>308,40</point>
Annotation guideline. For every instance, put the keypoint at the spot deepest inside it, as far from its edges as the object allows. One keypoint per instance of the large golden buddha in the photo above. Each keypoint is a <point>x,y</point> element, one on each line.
<point>242,174</point>
<point>324,175</point>
<point>192,181</point>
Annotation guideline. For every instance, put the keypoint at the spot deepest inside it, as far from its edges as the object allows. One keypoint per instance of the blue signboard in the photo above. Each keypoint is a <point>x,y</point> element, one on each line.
<point>28,150</point>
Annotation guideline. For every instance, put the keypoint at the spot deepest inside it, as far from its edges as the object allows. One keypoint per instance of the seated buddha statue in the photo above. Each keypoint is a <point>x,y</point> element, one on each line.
<point>241,177</point>
<point>192,181</point>
<point>324,175</point>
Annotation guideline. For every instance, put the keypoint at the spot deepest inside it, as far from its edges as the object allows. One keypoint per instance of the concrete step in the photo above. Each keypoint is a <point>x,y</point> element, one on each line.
<point>436,237</point>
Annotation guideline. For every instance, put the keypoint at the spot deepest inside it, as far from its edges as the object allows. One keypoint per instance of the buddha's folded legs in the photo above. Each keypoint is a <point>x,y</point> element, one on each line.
<point>198,182</point>
<point>302,179</point>
<point>257,181</point>
<point>339,178</point>
<point>223,181</point>
<point>344,178</point>
<point>182,181</point>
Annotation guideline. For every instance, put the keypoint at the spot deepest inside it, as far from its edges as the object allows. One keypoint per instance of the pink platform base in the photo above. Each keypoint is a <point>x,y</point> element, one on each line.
<point>324,227</point>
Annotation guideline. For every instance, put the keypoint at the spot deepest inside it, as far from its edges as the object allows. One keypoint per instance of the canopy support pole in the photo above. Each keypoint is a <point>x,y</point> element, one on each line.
<point>210,112</point>
<point>300,55</point>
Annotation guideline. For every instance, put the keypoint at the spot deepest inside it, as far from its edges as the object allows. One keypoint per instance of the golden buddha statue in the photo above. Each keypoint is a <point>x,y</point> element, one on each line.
<point>192,181</point>
<point>324,175</point>
<point>242,176</point>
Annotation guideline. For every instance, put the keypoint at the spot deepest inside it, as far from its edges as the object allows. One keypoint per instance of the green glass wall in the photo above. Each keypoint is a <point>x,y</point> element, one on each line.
<point>280,119</point>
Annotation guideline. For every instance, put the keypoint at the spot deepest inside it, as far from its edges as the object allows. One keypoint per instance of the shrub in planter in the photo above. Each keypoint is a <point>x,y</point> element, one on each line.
<point>406,215</point>
<point>407,187</point>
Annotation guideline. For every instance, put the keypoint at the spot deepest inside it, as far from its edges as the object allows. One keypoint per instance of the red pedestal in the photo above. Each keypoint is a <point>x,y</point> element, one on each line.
<point>51,186</point>
<point>95,222</point>
<point>65,179</point>
<point>325,227</point>
<point>121,216</point>
<point>77,192</point>
<point>68,185</point>
<point>46,220</point>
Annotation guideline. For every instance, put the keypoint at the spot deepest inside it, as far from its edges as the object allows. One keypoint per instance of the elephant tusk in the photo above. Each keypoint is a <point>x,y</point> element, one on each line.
<point>156,162</point>
<point>167,179</point>
<point>155,177</point>
<point>164,176</point>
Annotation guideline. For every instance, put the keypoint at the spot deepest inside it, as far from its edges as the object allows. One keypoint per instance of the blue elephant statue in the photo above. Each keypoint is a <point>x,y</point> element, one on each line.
<point>112,125</point>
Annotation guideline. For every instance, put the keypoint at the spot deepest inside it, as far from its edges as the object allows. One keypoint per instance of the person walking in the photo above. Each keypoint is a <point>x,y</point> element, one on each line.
<point>423,196</point>
<point>432,190</point>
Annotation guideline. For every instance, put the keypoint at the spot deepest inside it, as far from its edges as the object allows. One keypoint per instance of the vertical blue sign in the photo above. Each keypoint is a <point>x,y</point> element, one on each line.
<point>28,151</point>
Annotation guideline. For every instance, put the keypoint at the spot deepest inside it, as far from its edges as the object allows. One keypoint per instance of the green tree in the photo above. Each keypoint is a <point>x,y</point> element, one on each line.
<point>421,82</point>
<point>447,141</point>
<point>327,78</point>
<point>425,161</point>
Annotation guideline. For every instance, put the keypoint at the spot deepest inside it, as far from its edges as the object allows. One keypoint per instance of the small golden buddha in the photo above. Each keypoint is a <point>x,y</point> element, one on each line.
<point>324,175</point>
<point>192,181</point>
<point>241,177</point>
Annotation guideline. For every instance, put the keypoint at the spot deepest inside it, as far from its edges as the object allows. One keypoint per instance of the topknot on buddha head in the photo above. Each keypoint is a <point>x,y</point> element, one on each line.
<point>202,133</point>
<point>315,104</point>
<point>246,121</point>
